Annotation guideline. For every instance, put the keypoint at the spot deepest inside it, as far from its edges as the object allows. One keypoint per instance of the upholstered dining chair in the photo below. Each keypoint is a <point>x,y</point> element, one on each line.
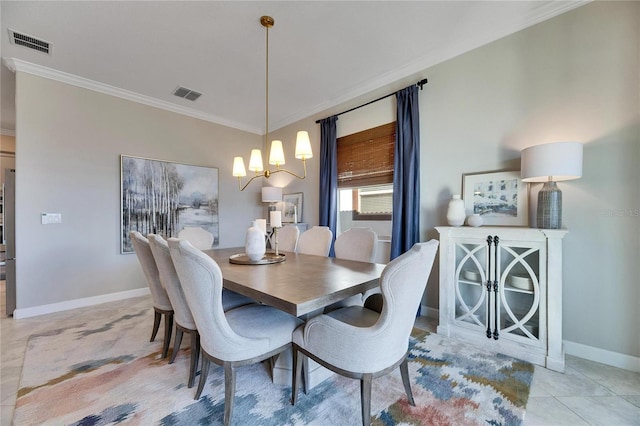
<point>316,241</point>
<point>356,244</point>
<point>161,302</point>
<point>198,237</point>
<point>182,314</point>
<point>241,336</point>
<point>288,238</point>
<point>363,344</point>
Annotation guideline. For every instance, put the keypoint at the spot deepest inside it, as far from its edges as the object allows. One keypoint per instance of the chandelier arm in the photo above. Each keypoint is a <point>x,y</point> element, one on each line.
<point>242,188</point>
<point>304,165</point>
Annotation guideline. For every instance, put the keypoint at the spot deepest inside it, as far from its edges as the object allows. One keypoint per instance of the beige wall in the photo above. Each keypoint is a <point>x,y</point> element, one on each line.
<point>574,77</point>
<point>69,142</point>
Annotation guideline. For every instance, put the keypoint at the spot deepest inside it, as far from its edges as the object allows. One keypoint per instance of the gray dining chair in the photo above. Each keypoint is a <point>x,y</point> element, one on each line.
<point>363,344</point>
<point>161,302</point>
<point>288,238</point>
<point>356,244</point>
<point>241,336</point>
<point>316,241</point>
<point>182,314</point>
<point>198,237</point>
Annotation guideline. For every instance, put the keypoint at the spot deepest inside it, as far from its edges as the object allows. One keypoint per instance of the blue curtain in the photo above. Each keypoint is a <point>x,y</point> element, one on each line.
<point>329,176</point>
<point>405,221</point>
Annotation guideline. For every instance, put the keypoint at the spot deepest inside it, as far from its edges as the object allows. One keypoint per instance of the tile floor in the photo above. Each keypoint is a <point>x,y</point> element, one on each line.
<point>588,393</point>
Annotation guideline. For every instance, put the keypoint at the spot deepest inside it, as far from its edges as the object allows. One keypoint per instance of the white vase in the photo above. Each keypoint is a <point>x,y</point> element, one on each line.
<point>474,220</point>
<point>455,212</point>
<point>254,243</point>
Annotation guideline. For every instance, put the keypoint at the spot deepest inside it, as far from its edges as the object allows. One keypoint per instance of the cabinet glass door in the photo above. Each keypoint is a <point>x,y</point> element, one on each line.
<point>520,291</point>
<point>470,274</point>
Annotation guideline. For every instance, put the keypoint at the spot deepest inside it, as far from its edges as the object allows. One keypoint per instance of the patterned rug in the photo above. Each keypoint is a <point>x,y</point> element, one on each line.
<point>101,373</point>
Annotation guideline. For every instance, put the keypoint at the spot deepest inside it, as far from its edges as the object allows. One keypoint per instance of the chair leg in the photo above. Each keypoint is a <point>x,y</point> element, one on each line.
<point>195,355</point>
<point>365,396</point>
<point>203,376</point>
<point>168,328</point>
<point>176,345</point>
<point>296,375</point>
<point>157,316</point>
<point>404,372</point>
<point>229,391</point>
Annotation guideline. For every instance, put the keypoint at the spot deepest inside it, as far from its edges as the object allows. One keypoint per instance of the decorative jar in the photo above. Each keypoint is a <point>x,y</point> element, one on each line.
<point>254,243</point>
<point>455,212</point>
<point>474,220</point>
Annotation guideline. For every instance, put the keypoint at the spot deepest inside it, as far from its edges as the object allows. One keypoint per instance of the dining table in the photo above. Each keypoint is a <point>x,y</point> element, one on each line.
<point>301,285</point>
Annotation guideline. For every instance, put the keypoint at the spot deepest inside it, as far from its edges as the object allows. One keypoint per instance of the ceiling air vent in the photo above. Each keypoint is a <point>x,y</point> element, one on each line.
<point>183,92</point>
<point>29,41</point>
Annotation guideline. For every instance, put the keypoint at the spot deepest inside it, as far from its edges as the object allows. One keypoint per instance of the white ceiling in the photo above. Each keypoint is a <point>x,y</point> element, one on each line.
<point>322,53</point>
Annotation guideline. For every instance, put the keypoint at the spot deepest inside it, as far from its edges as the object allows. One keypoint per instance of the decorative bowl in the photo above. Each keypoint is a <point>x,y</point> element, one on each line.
<point>471,275</point>
<point>523,282</point>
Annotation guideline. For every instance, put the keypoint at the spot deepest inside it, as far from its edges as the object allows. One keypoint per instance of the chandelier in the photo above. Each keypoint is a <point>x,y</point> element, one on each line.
<point>276,155</point>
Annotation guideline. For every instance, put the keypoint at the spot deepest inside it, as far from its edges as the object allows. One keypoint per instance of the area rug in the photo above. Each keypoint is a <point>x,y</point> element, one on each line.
<point>101,373</point>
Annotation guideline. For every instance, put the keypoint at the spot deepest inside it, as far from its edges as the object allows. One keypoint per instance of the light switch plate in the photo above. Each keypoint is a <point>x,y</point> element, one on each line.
<point>49,218</point>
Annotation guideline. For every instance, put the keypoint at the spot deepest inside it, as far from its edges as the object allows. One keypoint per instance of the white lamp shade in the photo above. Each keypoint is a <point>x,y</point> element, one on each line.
<point>271,194</point>
<point>238,167</point>
<point>303,146</point>
<point>255,162</point>
<point>276,156</point>
<point>551,162</point>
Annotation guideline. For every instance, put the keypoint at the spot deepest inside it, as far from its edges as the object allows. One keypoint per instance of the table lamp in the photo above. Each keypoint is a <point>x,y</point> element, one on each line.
<point>550,163</point>
<point>272,195</point>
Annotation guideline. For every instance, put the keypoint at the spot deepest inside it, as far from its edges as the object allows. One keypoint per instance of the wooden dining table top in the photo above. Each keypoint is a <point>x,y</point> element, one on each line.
<point>300,285</point>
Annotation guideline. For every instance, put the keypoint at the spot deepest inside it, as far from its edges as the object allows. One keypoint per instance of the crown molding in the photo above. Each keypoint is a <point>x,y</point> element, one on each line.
<point>15,64</point>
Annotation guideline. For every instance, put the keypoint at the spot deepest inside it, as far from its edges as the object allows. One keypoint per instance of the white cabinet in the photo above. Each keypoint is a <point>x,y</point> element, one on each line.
<point>502,288</point>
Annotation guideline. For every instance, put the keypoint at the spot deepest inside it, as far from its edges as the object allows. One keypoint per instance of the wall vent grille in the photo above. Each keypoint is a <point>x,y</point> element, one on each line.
<point>29,42</point>
<point>183,92</point>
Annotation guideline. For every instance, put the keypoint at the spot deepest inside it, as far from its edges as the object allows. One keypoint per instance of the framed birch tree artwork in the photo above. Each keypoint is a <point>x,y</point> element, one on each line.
<point>163,197</point>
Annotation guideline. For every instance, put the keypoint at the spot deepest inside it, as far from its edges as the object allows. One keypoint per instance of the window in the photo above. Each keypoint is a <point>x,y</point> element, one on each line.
<point>368,202</point>
<point>365,172</point>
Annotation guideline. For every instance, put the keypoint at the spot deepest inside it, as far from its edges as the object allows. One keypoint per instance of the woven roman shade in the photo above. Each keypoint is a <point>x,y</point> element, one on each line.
<point>366,158</point>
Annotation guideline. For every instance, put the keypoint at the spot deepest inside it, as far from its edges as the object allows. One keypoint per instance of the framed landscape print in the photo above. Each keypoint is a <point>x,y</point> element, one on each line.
<point>292,207</point>
<point>500,198</point>
<point>162,197</point>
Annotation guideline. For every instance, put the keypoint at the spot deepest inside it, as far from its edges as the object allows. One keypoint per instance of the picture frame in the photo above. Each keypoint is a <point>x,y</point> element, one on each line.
<point>499,197</point>
<point>163,197</point>
<point>292,207</point>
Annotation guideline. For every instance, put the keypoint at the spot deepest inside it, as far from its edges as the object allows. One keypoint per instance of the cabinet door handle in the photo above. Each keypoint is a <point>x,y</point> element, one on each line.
<point>496,240</point>
<point>489,282</point>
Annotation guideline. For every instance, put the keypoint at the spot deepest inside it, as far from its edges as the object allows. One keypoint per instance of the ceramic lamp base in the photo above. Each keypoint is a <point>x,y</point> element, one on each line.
<point>549,207</point>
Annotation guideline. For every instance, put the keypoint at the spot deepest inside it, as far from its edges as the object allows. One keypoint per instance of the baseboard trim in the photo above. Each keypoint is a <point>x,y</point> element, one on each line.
<point>603,356</point>
<point>428,312</point>
<point>78,303</point>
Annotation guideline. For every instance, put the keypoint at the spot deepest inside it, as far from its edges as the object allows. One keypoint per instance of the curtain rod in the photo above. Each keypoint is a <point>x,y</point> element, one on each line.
<point>419,84</point>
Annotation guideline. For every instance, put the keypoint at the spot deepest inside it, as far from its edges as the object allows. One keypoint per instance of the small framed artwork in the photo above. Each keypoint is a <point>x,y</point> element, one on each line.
<point>499,197</point>
<point>292,207</point>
